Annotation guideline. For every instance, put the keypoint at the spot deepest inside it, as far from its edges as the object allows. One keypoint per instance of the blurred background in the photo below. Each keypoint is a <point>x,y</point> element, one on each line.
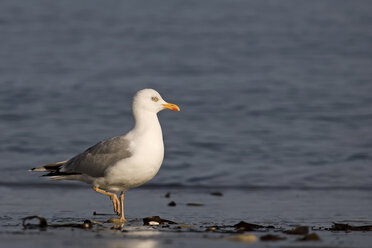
<point>273,94</point>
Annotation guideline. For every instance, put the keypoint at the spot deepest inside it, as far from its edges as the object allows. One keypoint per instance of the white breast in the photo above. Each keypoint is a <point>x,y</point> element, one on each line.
<point>147,156</point>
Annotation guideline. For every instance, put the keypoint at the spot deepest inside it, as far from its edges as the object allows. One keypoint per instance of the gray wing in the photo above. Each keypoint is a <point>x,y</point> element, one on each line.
<point>96,159</point>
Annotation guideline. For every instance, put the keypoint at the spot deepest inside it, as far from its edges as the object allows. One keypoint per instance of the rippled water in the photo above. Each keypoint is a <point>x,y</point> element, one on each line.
<point>272,93</point>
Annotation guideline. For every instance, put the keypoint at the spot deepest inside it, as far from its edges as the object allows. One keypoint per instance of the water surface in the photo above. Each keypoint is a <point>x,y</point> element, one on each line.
<point>273,94</point>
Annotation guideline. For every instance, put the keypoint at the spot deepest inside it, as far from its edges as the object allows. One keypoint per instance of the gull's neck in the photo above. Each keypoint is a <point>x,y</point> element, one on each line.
<point>146,122</point>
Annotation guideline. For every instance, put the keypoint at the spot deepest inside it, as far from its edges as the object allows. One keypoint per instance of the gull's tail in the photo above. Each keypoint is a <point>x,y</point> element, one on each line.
<point>49,167</point>
<point>54,173</point>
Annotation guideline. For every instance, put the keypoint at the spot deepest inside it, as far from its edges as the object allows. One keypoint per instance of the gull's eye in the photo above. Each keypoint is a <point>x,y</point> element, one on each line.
<point>154,98</point>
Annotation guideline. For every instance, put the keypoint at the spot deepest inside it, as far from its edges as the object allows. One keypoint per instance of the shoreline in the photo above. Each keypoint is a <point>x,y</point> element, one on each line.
<point>204,218</point>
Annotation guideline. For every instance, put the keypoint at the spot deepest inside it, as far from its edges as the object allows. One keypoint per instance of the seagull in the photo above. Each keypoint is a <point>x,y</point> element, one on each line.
<point>120,163</point>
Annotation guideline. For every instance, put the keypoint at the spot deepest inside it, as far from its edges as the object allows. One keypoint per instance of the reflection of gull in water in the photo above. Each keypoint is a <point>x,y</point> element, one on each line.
<point>138,243</point>
<point>122,162</point>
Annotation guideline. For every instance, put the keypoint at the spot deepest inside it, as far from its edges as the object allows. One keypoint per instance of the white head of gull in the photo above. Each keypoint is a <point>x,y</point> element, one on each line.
<point>123,162</point>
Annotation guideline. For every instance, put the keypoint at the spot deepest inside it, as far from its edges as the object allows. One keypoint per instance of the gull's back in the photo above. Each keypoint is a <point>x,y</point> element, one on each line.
<point>97,159</point>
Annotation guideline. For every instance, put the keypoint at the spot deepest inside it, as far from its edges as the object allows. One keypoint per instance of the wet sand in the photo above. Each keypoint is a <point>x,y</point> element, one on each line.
<point>204,216</point>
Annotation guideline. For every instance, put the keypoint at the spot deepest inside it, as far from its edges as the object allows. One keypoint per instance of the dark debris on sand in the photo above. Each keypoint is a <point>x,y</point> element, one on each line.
<point>192,204</point>
<point>240,227</point>
<point>43,224</point>
<point>310,237</point>
<point>300,230</point>
<point>147,220</point>
<point>216,194</point>
<point>95,213</point>
<point>245,226</point>
<point>271,237</point>
<point>347,227</point>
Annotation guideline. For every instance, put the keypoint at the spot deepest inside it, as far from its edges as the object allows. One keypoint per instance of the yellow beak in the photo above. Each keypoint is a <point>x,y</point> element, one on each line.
<point>171,106</point>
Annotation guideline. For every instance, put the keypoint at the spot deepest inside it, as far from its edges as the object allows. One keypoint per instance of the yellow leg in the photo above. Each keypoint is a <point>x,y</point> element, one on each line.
<point>122,218</point>
<point>113,197</point>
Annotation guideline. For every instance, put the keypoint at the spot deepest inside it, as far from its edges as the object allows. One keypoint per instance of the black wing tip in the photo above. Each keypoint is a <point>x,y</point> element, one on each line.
<point>58,173</point>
